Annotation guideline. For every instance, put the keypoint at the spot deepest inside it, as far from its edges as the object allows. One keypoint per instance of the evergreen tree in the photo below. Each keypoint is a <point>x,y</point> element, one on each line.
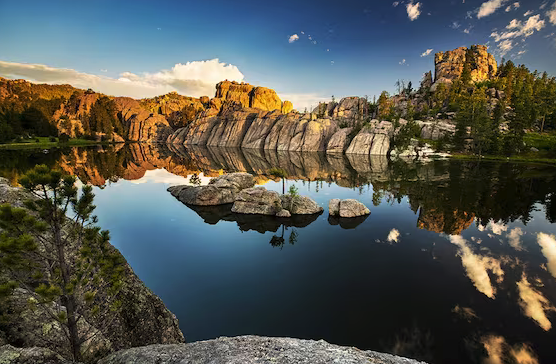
<point>62,262</point>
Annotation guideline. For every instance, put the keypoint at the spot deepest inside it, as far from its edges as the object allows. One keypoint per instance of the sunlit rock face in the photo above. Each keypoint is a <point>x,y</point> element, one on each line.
<point>449,65</point>
<point>444,222</point>
<point>251,96</point>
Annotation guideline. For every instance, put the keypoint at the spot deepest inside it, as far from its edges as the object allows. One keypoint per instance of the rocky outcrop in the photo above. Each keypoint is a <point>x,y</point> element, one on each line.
<point>435,130</point>
<point>142,125</point>
<point>142,320</point>
<point>339,141</point>
<point>221,190</point>
<point>450,64</point>
<point>34,355</point>
<point>347,208</point>
<point>259,201</point>
<point>247,95</point>
<point>373,139</point>
<point>253,350</point>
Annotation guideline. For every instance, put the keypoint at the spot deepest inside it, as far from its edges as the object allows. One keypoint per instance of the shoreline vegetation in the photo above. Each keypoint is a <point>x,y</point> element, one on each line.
<point>529,157</point>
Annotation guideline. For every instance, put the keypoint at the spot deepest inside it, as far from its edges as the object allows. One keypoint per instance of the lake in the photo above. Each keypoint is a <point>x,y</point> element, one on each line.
<point>455,264</point>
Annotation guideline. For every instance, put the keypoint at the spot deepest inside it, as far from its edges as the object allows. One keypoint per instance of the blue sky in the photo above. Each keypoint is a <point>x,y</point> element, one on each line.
<point>340,48</point>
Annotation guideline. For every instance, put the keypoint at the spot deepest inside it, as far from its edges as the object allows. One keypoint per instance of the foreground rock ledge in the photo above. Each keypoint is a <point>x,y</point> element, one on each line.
<point>252,350</point>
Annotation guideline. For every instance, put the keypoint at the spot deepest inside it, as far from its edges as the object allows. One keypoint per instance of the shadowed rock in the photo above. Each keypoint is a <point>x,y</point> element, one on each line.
<point>347,208</point>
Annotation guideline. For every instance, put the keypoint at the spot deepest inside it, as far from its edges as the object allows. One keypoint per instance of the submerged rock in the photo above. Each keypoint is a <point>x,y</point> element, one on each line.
<point>253,350</point>
<point>347,208</point>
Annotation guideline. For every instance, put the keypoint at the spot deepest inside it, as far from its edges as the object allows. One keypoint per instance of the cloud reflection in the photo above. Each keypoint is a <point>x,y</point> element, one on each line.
<point>500,352</point>
<point>477,267</point>
<point>548,246</point>
<point>534,304</point>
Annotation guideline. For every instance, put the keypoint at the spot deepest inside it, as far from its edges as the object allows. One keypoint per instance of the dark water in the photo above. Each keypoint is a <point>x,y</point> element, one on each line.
<point>450,267</point>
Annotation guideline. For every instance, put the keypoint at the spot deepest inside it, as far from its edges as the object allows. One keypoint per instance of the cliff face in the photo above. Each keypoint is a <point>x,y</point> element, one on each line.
<point>449,65</point>
<point>247,95</point>
<point>142,320</point>
<point>329,128</point>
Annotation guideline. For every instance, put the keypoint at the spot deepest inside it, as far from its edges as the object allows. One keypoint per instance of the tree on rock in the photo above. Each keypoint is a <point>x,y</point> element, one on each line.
<point>63,263</point>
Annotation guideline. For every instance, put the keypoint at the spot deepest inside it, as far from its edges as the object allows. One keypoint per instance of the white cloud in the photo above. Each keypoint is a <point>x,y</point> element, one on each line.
<point>402,62</point>
<point>489,7</point>
<point>196,78</point>
<point>293,38</point>
<point>514,237</point>
<point>534,304</point>
<point>514,6</point>
<point>522,52</point>
<point>393,236</point>
<point>413,10</point>
<point>514,24</point>
<point>426,53</point>
<point>516,29</point>
<point>496,227</point>
<point>477,267</point>
<point>543,5</point>
<point>548,247</point>
<point>455,25</point>
<point>468,30</point>
<point>552,14</point>
<point>499,351</point>
<point>395,3</point>
<point>528,12</point>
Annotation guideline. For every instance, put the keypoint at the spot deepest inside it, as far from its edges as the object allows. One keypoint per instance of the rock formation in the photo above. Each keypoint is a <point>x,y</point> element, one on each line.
<point>247,95</point>
<point>449,65</point>
<point>252,350</point>
<point>221,190</point>
<point>347,208</point>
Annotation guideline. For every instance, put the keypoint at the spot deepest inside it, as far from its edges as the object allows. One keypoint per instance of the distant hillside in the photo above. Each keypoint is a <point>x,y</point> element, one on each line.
<point>28,109</point>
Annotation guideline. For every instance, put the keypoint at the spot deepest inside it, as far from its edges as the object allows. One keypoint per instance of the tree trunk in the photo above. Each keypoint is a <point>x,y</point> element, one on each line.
<point>68,297</point>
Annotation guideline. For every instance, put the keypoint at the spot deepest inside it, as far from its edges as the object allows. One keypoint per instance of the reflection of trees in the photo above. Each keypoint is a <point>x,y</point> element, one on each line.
<point>279,241</point>
<point>446,195</point>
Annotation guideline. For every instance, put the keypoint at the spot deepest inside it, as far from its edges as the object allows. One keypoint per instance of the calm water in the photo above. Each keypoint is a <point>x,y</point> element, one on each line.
<point>448,268</point>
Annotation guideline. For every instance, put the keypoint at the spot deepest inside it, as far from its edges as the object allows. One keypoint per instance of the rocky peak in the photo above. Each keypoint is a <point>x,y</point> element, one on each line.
<point>449,65</point>
<point>250,96</point>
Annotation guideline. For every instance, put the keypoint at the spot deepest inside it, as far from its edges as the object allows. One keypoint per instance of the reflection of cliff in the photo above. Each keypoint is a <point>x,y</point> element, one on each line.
<point>447,195</point>
<point>452,223</point>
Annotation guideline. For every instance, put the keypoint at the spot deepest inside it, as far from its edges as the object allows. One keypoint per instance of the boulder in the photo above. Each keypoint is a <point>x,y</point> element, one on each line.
<point>334,207</point>
<point>347,222</point>
<point>437,130</point>
<point>347,208</point>
<point>257,200</point>
<point>220,190</point>
<point>301,205</point>
<point>253,350</point>
<point>237,181</point>
<point>339,141</point>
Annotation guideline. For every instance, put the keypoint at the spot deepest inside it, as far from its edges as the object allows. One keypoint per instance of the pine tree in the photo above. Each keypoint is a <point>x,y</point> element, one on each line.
<point>63,263</point>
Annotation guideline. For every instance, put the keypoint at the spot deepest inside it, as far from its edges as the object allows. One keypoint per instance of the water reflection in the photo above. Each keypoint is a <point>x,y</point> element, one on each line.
<point>456,263</point>
<point>245,222</point>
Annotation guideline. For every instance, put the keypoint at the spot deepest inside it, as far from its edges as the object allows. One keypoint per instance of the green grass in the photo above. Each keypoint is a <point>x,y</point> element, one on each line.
<point>45,143</point>
<point>526,158</point>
